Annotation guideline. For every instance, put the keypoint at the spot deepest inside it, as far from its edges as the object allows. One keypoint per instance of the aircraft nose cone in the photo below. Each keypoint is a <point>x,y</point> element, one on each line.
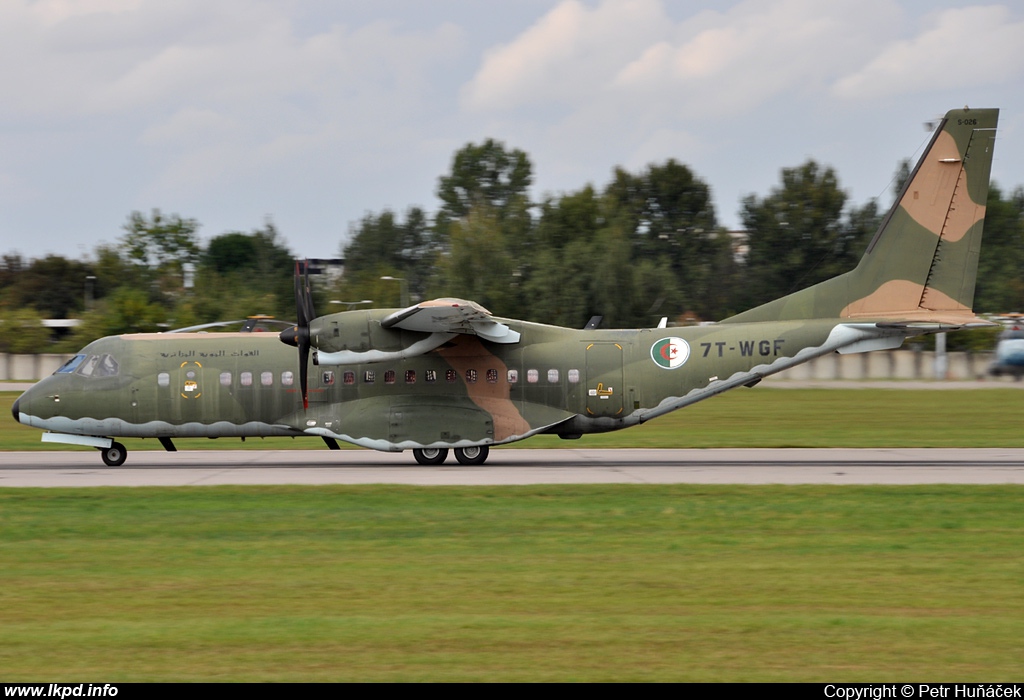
<point>14,410</point>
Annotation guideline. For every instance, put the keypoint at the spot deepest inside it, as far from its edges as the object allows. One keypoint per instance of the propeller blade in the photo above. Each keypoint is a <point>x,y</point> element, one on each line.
<point>307,298</point>
<point>298,336</point>
<point>300,308</point>
<point>303,379</point>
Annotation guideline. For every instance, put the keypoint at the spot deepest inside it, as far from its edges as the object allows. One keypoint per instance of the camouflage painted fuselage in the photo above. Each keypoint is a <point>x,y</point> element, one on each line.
<point>466,392</point>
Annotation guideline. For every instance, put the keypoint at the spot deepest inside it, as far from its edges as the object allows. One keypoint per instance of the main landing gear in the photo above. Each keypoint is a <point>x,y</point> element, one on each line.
<point>115,455</point>
<point>429,456</point>
<point>468,456</point>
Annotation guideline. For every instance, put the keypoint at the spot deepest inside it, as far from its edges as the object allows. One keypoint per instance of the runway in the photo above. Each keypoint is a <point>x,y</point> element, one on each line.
<point>521,467</point>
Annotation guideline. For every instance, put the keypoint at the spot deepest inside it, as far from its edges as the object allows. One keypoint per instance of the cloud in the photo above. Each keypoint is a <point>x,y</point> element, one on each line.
<point>115,56</point>
<point>712,62</point>
<point>567,54</point>
<point>212,93</point>
<point>962,48</point>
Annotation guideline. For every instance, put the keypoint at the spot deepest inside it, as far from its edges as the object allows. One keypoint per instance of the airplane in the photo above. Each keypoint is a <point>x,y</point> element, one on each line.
<point>1009,357</point>
<point>446,374</point>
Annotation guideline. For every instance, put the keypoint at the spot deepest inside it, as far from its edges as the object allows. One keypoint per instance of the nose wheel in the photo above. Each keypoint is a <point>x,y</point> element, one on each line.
<point>115,455</point>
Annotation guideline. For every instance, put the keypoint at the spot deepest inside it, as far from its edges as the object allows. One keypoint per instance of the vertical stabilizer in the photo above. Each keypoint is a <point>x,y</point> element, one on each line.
<point>922,263</point>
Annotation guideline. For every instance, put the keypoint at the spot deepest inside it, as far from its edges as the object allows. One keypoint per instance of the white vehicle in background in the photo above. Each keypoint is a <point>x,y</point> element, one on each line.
<point>1009,359</point>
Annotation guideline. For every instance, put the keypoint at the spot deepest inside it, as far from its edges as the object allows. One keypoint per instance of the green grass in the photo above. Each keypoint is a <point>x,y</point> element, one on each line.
<point>557,583</point>
<point>762,417</point>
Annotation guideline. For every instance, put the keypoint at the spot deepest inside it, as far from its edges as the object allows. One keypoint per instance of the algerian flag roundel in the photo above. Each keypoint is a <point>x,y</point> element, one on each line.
<point>670,353</point>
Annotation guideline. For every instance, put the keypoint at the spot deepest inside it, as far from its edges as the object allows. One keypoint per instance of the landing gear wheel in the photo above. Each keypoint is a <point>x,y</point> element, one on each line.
<point>430,455</point>
<point>472,455</point>
<point>115,455</point>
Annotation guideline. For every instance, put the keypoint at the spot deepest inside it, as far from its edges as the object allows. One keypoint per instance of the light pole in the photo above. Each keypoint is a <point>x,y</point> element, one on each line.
<point>404,288</point>
<point>89,280</point>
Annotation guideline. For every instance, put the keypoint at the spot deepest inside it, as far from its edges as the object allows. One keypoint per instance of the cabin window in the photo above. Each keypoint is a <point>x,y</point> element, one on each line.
<point>492,376</point>
<point>470,376</point>
<point>267,378</point>
<point>574,376</point>
<point>225,378</point>
<point>450,376</point>
<point>532,376</point>
<point>245,378</point>
<point>327,378</point>
<point>287,378</point>
<point>349,377</point>
<point>163,379</point>
<point>70,365</point>
<point>513,376</point>
<point>553,376</point>
<point>389,376</point>
<point>430,376</point>
<point>410,376</point>
<point>369,376</point>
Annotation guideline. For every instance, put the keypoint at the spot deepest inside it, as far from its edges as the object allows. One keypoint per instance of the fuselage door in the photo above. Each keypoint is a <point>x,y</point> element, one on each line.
<point>605,388</point>
<point>322,383</point>
<point>190,389</point>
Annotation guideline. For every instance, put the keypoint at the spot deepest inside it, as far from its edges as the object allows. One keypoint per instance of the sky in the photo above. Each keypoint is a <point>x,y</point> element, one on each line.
<point>314,113</point>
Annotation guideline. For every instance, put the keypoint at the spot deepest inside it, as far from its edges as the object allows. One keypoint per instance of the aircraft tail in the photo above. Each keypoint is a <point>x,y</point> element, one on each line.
<point>922,264</point>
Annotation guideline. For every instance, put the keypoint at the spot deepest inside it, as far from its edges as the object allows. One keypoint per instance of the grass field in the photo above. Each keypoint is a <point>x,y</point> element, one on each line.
<point>762,417</point>
<point>557,583</point>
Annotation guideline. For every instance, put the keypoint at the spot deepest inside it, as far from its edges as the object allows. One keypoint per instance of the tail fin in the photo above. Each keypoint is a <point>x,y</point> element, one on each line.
<point>922,264</point>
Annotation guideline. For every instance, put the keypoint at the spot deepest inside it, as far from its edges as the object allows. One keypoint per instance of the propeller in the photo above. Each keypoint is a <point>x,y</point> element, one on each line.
<point>298,336</point>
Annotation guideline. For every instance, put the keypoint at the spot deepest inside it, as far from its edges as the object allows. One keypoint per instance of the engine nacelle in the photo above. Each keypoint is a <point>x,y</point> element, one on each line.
<point>354,337</point>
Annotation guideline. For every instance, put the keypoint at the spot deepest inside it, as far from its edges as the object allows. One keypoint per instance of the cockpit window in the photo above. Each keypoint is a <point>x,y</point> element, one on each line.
<point>70,366</point>
<point>98,366</point>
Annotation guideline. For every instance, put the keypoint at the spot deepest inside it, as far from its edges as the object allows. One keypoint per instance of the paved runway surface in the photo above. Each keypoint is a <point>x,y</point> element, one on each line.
<point>522,466</point>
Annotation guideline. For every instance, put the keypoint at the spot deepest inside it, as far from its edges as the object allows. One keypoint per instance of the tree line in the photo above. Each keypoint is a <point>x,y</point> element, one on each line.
<point>644,246</point>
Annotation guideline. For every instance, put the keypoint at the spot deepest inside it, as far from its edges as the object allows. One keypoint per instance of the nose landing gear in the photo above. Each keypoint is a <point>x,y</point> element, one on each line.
<point>115,455</point>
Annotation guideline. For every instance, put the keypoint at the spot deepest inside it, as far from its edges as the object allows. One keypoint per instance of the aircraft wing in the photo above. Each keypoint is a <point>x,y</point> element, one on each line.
<point>448,315</point>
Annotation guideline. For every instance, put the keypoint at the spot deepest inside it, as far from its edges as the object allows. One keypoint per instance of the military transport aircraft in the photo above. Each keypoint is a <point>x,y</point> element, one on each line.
<point>446,374</point>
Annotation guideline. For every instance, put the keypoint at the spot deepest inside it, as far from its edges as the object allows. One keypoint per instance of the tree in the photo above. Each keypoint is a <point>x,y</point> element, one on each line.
<point>481,263</point>
<point>571,217</point>
<point>670,220</point>
<point>260,253</point>
<point>257,267</point>
<point>22,331</point>
<point>383,245</point>
<point>1000,285</point>
<point>484,174</point>
<point>162,245</point>
<point>797,235</point>
<point>54,286</point>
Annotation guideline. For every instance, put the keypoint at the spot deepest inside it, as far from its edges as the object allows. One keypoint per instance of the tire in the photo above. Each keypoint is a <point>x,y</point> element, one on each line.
<point>429,456</point>
<point>472,455</point>
<point>115,455</point>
